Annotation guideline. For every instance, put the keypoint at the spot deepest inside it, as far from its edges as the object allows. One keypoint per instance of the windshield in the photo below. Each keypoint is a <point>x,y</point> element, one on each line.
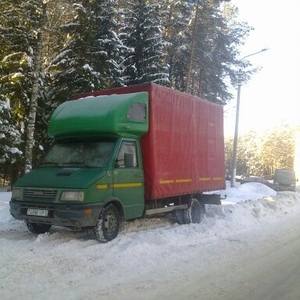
<point>84,153</point>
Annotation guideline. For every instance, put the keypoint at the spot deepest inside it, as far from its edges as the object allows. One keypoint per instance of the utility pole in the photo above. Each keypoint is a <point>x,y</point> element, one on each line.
<point>236,134</point>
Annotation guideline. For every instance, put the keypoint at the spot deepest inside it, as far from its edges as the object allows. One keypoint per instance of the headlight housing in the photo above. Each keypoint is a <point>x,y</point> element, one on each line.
<point>72,196</point>
<point>17,194</point>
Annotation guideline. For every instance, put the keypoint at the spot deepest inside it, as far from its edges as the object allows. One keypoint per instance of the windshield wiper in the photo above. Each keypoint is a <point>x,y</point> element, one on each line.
<point>50,163</point>
<point>77,163</point>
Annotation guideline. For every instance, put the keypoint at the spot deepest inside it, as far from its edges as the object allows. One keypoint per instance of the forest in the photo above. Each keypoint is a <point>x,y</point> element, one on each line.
<point>261,154</point>
<point>51,50</point>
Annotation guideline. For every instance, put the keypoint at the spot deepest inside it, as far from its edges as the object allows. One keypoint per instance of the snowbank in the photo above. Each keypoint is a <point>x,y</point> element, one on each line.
<point>249,191</point>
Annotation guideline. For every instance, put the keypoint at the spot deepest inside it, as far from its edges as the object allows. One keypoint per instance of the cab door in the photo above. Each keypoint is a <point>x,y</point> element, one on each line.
<point>128,179</point>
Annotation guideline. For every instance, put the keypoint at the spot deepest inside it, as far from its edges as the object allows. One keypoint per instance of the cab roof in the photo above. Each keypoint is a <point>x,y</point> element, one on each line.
<point>119,115</point>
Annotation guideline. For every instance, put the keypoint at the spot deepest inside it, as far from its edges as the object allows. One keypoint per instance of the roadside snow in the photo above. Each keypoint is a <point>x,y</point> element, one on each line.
<point>144,259</point>
<point>243,192</point>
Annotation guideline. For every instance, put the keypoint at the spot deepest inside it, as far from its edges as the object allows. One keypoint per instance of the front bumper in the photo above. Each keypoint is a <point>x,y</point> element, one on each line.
<point>68,215</point>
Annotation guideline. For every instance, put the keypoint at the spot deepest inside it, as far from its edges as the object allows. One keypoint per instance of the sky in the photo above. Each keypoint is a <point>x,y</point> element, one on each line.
<point>270,97</point>
<point>151,260</point>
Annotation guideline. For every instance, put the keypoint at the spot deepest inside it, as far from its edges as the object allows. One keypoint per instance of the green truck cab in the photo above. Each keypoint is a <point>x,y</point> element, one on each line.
<point>94,160</point>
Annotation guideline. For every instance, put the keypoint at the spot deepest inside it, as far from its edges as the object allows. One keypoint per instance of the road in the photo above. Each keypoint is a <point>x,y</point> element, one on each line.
<point>257,264</point>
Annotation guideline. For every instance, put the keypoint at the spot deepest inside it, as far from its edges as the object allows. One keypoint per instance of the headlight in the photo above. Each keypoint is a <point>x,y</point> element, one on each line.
<point>16,194</point>
<point>72,196</point>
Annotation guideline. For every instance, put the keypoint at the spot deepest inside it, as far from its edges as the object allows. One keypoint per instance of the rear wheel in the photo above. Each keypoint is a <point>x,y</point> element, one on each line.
<point>194,213</point>
<point>178,216</point>
<point>37,227</point>
<point>108,225</point>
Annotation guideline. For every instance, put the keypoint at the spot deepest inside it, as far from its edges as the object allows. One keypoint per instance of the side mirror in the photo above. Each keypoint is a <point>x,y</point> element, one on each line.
<point>128,160</point>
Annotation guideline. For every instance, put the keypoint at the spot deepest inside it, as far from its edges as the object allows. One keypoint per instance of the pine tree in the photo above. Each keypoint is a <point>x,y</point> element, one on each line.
<point>69,71</point>
<point>146,61</point>
<point>89,59</point>
<point>107,50</point>
<point>177,30</point>
<point>215,40</point>
<point>21,33</point>
<point>203,37</point>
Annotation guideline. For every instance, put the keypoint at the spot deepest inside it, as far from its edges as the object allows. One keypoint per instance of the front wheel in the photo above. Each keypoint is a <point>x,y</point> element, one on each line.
<point>37,227</point>
<point>108,225</point>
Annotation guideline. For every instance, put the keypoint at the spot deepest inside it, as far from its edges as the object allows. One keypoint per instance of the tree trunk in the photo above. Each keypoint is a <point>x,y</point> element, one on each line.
<point>190,65</point>
<point>37,67</point>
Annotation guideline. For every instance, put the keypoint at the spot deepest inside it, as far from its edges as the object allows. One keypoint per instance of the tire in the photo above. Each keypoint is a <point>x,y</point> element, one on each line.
<point>108,225</point>
<point>195,212</point>
<point>37,227</point>
<point>178,216</point>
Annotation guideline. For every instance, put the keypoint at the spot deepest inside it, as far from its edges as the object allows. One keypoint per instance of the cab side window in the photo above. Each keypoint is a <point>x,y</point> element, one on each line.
<point>127,148</point>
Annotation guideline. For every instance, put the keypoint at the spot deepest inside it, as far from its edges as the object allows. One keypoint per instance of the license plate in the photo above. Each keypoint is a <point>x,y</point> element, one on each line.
<point>37,212</point>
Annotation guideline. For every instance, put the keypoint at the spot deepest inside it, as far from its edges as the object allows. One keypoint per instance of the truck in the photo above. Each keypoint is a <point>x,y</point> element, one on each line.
<point>122,154</point>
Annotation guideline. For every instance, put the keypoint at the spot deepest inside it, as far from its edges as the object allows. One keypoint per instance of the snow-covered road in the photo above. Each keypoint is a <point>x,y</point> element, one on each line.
<point>259,263</point>
<point>248,250</point>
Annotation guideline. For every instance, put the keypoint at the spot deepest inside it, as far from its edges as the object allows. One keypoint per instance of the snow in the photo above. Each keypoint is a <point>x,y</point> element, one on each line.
<point>245,192</point>
<point>145,260</point>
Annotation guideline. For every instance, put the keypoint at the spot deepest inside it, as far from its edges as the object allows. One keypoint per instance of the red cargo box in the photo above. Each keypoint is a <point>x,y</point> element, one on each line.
<point>183,152</point>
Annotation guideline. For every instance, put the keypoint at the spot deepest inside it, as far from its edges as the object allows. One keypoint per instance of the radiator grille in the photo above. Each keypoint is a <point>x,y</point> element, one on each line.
<point>40,194</point>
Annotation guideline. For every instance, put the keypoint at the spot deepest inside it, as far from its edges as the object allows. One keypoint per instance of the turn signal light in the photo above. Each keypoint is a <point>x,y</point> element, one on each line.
<point>88,211</point>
